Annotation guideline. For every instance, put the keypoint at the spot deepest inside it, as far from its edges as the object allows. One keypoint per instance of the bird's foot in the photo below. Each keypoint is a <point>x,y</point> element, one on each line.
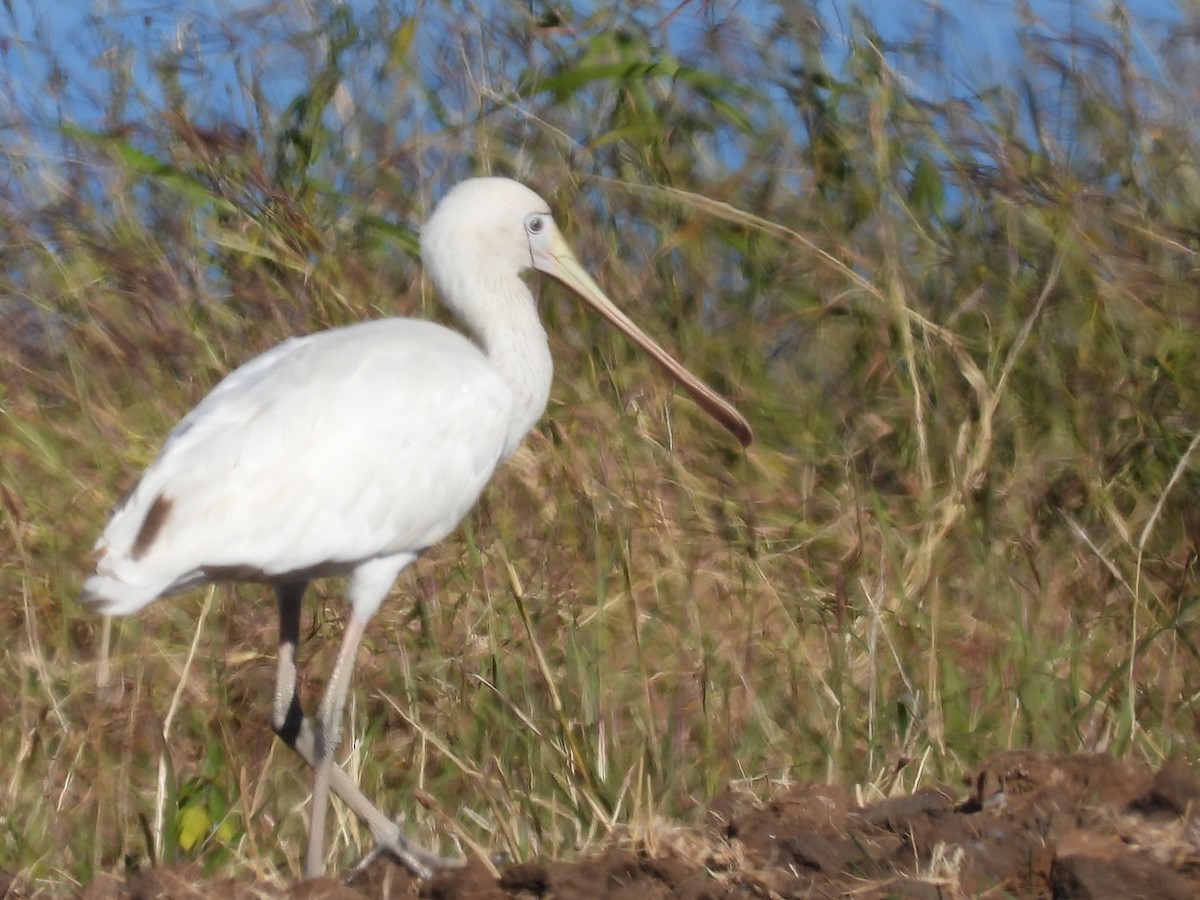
<point>420,862</point>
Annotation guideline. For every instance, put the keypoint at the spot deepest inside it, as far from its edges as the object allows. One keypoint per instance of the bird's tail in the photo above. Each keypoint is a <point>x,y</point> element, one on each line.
<point>114,596</point>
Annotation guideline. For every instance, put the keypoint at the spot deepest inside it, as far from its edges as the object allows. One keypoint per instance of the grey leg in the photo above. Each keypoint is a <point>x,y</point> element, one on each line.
<point>287,717</point>
<point>297,732</point>
<point>328,737</point>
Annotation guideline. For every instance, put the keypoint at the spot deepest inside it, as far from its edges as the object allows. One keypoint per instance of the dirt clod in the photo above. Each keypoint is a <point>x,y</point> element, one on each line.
<point>1028,825</point>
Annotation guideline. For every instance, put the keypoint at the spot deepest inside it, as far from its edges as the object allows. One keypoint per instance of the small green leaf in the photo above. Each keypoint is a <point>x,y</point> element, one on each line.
<point>926,192</point>
<point>401,42</point>
<point>192,826</point>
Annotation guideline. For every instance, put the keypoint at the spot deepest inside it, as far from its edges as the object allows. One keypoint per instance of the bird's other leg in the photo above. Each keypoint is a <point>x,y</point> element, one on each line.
<point>296,731</point>
<point>287,716</point>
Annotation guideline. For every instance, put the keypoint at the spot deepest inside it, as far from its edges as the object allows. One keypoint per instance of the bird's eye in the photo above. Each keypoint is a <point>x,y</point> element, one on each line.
<point>535,224</point>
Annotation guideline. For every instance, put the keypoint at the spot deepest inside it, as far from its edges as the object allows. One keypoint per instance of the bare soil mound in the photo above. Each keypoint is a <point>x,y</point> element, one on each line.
<point>1025,825</point>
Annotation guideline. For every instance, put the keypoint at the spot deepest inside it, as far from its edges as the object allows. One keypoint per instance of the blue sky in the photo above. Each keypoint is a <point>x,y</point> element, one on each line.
<point>981,36</point>
<point>978,37</point>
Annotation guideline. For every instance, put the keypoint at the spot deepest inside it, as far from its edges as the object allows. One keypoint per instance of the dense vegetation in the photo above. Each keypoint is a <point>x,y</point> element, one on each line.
<point>964,321</point>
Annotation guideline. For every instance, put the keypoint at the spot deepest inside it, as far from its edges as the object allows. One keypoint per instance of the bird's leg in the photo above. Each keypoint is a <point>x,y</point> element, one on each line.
<point>328,734</point>
<point>296,731</point>
<point>287,716</point>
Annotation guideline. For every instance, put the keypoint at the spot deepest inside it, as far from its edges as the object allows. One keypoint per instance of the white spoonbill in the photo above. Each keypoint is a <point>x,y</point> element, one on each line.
<point>348,452</point>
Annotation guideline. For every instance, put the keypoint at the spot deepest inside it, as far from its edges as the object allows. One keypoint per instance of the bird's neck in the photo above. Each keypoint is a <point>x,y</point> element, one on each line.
<point>512,336</point>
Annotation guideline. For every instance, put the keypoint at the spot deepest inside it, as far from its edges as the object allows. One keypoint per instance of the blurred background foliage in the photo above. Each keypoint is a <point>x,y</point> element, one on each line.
<point>962,316</point>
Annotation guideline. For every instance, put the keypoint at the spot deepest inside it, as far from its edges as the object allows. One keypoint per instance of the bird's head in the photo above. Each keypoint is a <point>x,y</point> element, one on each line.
<point>486,231</point>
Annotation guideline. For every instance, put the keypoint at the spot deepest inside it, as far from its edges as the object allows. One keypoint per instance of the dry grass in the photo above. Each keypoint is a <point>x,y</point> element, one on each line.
<point>968,523</point>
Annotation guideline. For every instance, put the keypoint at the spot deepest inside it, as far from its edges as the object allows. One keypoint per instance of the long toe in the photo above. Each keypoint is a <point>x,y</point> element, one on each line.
<point>420,862</point>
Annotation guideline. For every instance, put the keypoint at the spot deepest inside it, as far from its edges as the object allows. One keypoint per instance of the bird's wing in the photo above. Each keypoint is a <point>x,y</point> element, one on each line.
<point>351,444</point>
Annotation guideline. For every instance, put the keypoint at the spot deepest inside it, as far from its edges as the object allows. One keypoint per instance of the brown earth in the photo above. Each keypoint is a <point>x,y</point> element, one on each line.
<point>1025,825</point>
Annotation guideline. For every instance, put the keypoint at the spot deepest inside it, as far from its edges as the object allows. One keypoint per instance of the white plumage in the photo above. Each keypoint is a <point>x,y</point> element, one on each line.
<point>326,451</point>
<point>350,451</point>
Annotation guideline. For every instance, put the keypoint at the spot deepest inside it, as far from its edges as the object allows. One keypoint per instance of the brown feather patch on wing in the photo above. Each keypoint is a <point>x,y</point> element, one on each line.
<point>151,525</point>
